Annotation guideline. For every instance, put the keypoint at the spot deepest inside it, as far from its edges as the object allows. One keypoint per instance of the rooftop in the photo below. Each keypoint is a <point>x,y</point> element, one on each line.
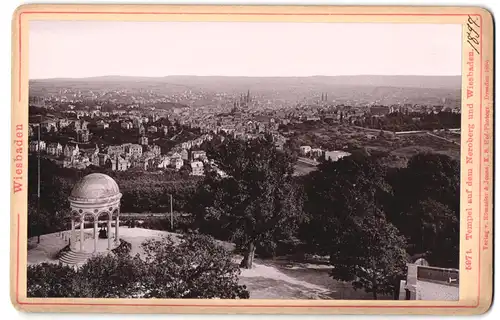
<point>95,186</point>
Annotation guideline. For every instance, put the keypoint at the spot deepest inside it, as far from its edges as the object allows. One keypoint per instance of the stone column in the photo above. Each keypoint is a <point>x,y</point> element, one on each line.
<point>117,226</point>
<point>82,234</point>
<point>95,234</point>
<point>72,237</point>
<point>109,231</point>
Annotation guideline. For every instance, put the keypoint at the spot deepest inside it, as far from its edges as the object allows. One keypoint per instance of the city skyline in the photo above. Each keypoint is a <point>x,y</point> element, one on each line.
<point>80,49</point>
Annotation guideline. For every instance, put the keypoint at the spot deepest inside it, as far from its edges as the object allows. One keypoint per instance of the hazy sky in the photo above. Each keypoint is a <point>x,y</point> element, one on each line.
<point>94,48</point>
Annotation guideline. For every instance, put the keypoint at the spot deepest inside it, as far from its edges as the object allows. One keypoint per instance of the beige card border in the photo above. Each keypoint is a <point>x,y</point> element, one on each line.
<point>477,124</point>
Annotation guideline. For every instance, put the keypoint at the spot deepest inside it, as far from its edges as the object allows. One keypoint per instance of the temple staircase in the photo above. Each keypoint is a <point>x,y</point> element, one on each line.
<point>74,258</point>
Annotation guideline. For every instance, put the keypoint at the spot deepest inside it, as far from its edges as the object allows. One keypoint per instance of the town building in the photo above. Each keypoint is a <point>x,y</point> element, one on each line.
<point>316,152</point>
<point>119,163</point>
<point>102,125</point>
<point>79,125</point>
<point>132,149</point>
<point>54,149</point>
<point>305,150</point>
<point>173,154</point>
<point>163,162</point>
<point>104,160</point>
<point>63,123</point>
<point>71,151</point>
<point>184,154</point>
<point>127,125</point>
<point>49,125</point>
<point>83,136</point>
<point>312,119</point>
<point>92,155</point>
<point>199,154</point>
<point>137,122</point>
<point>94,159</point>
<point>154,149</point>
<point>186,145</point>
<point>380,110</point>
<point>115,150</point>
<point>141,163</point>
<point>335,155</point>
<point>143,140</point>
<point>34,145</point>
<point>197,168</point>
<point>177,163</point>
<point>153,117</point>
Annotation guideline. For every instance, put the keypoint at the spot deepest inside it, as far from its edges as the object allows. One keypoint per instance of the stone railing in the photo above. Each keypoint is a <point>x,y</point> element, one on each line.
<point>445,275</point>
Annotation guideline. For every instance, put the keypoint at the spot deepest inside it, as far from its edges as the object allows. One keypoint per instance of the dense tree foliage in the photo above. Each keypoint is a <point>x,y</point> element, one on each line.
<point>426,207</point>
<point>51,280</point>
<point>421,200</point>
<point>369,252</point>
<point>111,276</point>
<point>345,208</point>
<point>399,121</point>
<point>257,203</point>
<point>47,213</point>
<point>197,267</point>
<point>354,186</point>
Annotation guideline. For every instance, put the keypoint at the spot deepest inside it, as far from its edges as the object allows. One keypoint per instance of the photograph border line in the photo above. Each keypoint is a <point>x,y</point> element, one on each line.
<point>254,305</point>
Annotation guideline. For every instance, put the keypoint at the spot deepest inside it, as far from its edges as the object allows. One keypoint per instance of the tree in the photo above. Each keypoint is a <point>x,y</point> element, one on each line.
<point>426,207</point>
<point>345,208</point>
<point>111,276</point>
<point>37,220</point>
<point>197,267</point>
<point>50,280</point>
<point>370,253</point>
<point>257,203</point>
<point>49,215</point>
<point>185,170</point>
<point>337,192</point>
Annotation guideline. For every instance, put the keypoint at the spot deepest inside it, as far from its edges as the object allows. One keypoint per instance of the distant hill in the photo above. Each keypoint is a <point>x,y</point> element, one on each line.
<point>212,82</point>
<point>361,89</point>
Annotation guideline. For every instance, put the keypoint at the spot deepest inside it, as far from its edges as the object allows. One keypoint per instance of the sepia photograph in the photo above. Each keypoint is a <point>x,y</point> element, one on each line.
<point>244,160</point>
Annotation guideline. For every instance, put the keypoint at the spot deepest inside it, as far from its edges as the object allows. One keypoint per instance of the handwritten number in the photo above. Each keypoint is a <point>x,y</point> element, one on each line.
<point>472,21</point>
<point>472,34</point>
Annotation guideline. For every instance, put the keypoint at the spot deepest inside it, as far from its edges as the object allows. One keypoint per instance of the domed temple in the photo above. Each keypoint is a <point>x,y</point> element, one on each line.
<point>95,198</point>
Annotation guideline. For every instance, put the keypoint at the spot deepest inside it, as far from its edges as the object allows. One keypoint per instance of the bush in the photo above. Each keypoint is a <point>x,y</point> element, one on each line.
<point>197,267</point>
<point>194,267</point>
<point>123,248</point>
<point>50,280</point>
<point>111,276</point>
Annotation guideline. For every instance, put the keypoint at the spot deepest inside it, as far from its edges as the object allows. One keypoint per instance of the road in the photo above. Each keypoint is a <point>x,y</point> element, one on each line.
<point>442,138</point>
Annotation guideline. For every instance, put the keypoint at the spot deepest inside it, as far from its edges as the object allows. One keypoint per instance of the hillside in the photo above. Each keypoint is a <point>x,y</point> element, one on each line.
<point>207,82</point>
<point>341,89</point>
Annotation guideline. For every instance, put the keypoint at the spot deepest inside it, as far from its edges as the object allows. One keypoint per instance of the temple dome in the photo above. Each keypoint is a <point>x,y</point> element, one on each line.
<point>95,186</point>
